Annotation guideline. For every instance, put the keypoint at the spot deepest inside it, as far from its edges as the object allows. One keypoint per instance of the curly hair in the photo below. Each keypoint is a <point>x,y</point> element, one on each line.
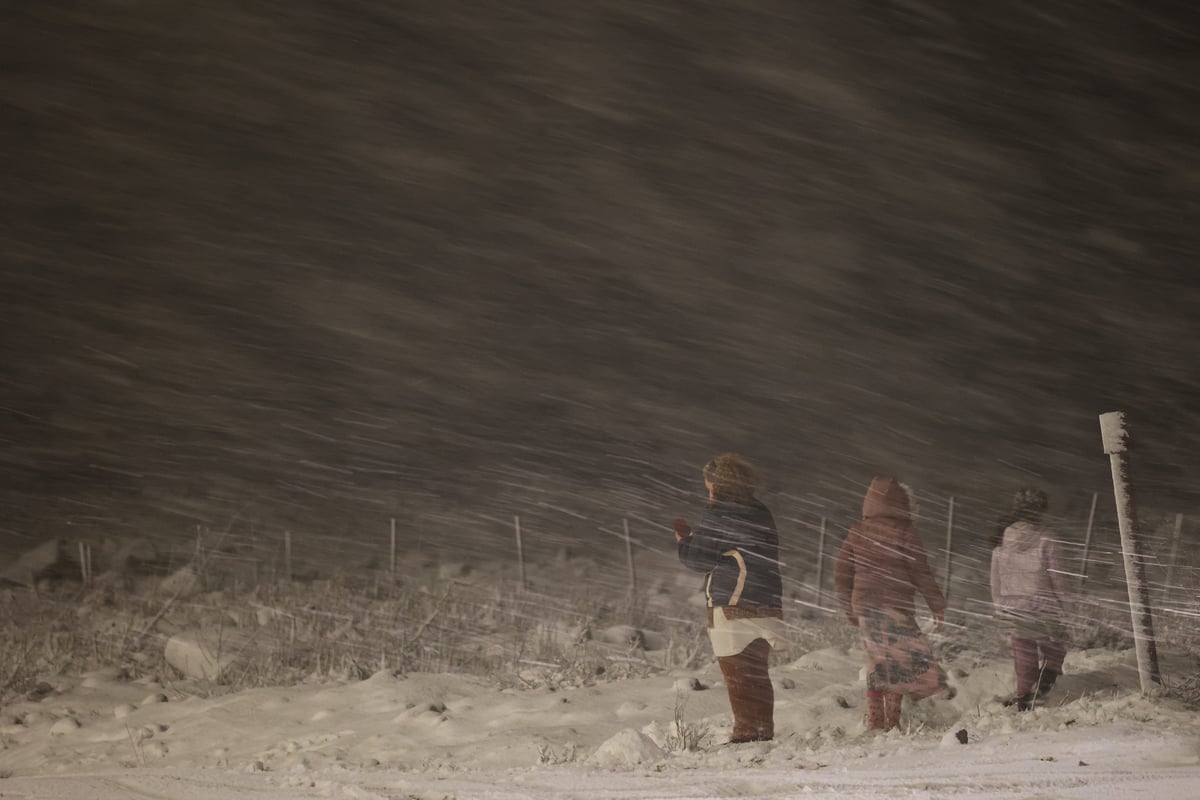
<point>733,479</point>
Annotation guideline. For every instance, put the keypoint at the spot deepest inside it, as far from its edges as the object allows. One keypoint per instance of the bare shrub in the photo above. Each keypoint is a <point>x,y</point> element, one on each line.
<point>684,735</point>
<point>350,626</point>
<point>1186,689</point>
<point>553,756</point>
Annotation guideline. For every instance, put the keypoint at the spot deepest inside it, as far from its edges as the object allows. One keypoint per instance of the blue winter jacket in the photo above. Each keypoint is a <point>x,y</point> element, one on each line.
<point>738,546</point>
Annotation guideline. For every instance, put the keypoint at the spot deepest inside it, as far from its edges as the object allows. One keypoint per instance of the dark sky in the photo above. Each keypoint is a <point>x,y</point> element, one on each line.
<point>312,264</point>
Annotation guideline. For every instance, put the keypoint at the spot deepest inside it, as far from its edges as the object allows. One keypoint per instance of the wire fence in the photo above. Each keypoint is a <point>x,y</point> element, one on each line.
<point>957,533</point>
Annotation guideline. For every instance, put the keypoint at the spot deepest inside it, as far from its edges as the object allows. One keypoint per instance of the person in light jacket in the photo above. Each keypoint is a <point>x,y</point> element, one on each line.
<point>880,569</point>
<point>1028,589</point>
<point>737,546</point>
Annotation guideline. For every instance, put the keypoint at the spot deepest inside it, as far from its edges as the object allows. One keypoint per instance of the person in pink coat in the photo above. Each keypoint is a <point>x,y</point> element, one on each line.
<point>880,569</point>
<point>1028,591</point>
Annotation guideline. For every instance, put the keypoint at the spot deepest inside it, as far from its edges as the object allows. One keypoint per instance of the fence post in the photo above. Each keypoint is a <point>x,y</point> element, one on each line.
<point>520,549</point>
<point>287,555</point>
<point>392,553</point>
<point>629,558</point>
<point>1087,541</point>
<point>83,563</point>
<point>821,563</point>
<point>1169,583</point>
<point>1115,435</point>
<point>949,550</point>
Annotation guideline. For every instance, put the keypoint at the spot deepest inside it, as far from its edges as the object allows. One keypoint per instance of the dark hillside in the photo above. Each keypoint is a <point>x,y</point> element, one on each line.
<point>311,264</point>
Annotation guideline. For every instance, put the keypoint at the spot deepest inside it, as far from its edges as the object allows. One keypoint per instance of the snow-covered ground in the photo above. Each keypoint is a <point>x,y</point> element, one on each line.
<point>429,737</point>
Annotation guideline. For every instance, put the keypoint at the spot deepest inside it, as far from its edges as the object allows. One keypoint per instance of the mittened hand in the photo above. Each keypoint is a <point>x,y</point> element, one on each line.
<point>682,529</point>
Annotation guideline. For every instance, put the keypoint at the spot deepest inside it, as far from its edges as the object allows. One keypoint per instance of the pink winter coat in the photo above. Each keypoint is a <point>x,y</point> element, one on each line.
<point>1026,576</point>
<point>882,565</point>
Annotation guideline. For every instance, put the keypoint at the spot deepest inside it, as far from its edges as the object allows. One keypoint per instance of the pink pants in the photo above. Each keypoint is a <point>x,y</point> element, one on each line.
<point>1025,661</point>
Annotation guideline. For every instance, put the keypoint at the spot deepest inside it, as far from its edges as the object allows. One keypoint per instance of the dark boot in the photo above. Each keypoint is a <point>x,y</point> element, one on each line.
<point>1054,653</point>
<point>1046,681</point>
<point>1022,702</point>
<point>1025,664</point>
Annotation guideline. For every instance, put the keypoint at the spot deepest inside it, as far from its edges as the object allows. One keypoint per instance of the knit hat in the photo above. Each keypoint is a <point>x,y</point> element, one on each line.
<point>1029,503</point>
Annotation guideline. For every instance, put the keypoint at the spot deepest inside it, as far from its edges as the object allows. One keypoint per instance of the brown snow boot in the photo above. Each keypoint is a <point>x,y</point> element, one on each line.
<point>1046,681</point>
<point>883,710</point>
<point>875,710</point>
<point>751,696</point>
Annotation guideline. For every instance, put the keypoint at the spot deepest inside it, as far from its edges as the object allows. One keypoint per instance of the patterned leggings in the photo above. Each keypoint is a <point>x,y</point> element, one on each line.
<point>883,710</point>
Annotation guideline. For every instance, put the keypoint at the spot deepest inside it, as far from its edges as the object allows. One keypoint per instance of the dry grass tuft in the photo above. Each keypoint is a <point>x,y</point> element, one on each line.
<point>347,628</point>
<point>350,627</point>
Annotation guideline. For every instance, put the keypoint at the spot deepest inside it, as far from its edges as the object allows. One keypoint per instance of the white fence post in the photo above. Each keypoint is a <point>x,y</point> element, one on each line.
<point>1115,436</point>
<point>1087,541</point>
<point>1176,534</point>
<point>821,563</point>
<point>83,564</point>
<point>287,555</point>
<point>392,553</point>
<point>520,549</point>
<point>629,559</point>
<point>949,549</point>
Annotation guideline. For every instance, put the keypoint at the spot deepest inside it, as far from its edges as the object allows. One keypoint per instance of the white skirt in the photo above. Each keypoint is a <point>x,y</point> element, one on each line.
<point>731,636</point>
